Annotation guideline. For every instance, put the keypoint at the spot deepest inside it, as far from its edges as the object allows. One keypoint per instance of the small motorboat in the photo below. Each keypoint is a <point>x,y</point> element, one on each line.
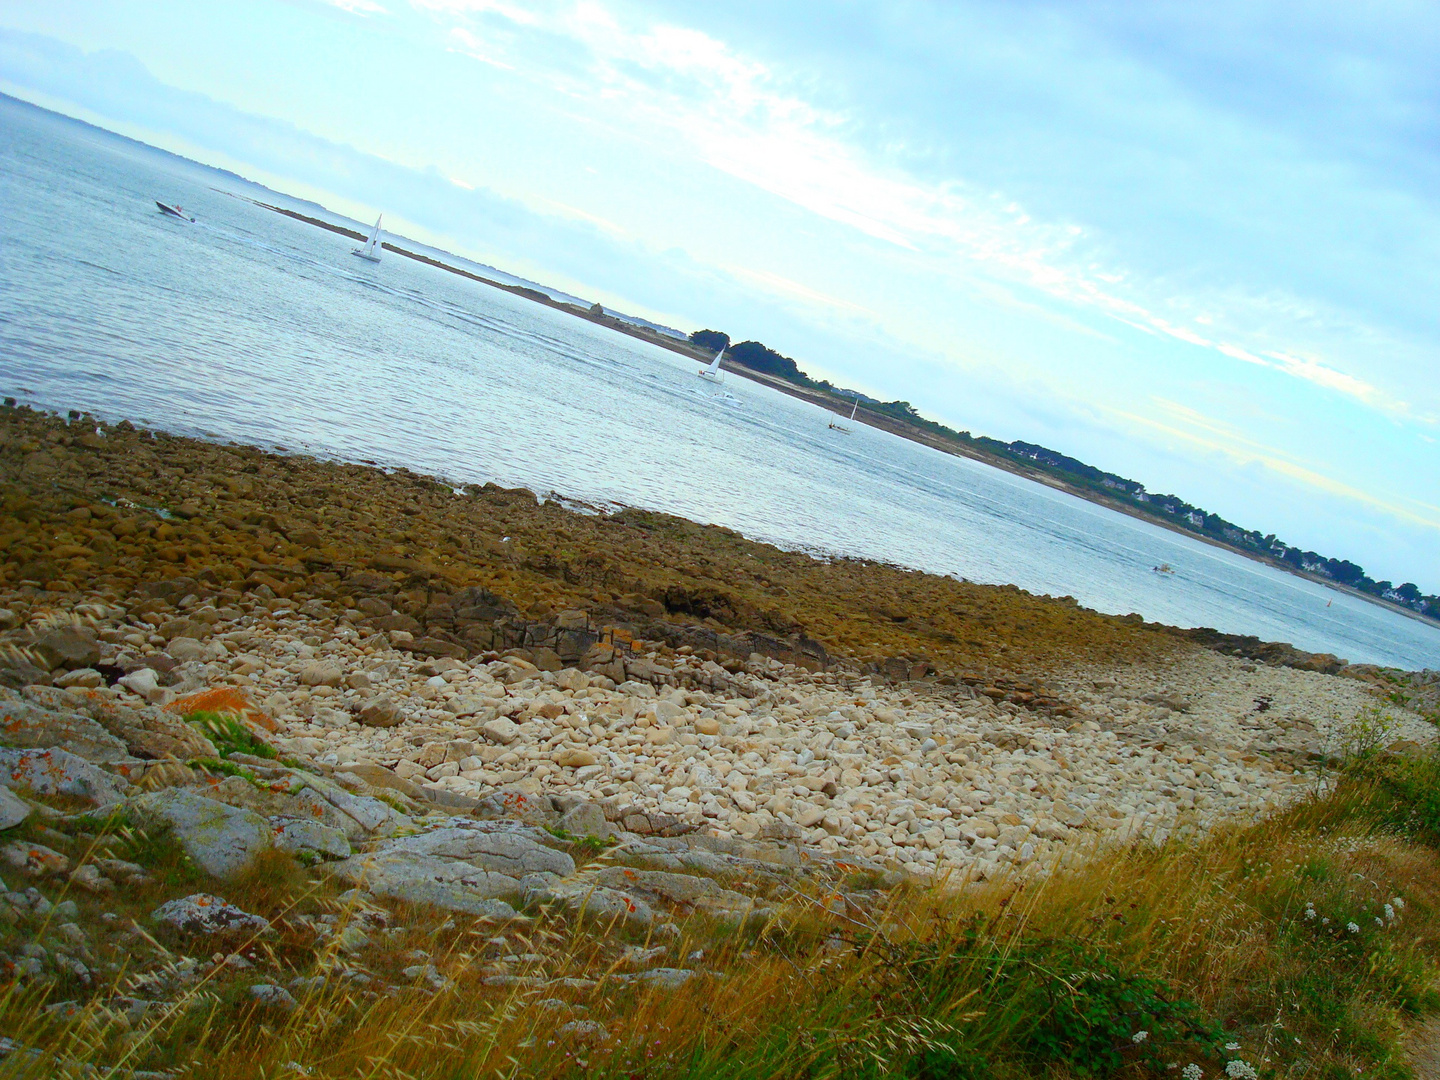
<point>1163,568</point>
<point>175,211</point>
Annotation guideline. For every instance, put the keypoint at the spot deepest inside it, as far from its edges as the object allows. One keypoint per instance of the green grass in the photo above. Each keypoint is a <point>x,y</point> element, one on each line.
<point>586,846</point>
<point>230,735</point>
<point>1200,944</point>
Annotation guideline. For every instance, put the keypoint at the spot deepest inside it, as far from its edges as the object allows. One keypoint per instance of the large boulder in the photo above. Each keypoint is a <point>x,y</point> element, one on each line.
<point>375,817</point>
<point>381,714</point>
<point>146,731</point>
<point>597,903</point>
<point>377,776</point>
<point>312,839</point>
<point>692,893</point>
<point>461,868</point>
<point>59,772</point>
<point>427,880</point>
<point>321,673</point>
<point>25,724</point>
<point>511,851</point>
<point>223,840</point>
<point>295,795</point>
<point>13,810</point>
<point>201,913</point>
<point>66,647</point>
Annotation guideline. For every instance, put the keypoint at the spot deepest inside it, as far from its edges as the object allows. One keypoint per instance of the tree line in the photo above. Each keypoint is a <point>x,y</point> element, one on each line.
<point>1169,508</point>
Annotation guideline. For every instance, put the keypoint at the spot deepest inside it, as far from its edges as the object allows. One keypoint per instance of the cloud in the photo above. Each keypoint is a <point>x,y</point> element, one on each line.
<point>758,122</point>
<point>359,7</point>
<point>1214,435</point>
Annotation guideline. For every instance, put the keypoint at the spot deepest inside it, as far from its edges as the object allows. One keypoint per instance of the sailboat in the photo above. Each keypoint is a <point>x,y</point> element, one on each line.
<point>371,251</point>
<point>713,372</point>
<point>837,424</point>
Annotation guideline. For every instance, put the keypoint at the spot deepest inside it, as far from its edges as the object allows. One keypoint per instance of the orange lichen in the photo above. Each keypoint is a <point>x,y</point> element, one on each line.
<point>222,699</point>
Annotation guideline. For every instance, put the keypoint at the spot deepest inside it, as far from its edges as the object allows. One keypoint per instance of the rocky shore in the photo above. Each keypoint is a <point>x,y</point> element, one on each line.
<point>630,663</point>
<point>472,703</point>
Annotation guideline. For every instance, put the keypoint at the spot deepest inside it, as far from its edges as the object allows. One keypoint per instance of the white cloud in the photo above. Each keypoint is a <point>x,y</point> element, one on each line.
<point>745,119</point>
<point>1188,425</point>
<point>359,7</point>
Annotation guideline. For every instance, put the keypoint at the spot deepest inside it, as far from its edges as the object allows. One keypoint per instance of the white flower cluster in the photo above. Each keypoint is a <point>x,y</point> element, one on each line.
<point>1354,928</point>
<point>1241,1070</point>
<point>1389,912</point>
<point>1309,911</point>
<point>1192,1072</point>
<point>1139,1037</point>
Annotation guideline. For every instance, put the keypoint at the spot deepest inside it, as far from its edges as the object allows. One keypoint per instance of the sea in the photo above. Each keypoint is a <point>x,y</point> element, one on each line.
<point>251,327</point>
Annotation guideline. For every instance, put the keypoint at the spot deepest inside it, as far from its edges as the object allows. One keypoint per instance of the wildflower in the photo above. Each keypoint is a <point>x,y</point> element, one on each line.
<point>1389,913</point>
<point>1232,1046</point>
<point>1139,1037</point>
<point>1241,1070</point>
<point>1310,911</point>
<point>1354,928</point>
<point>1191,1072</point>
<point>1398,902</point>
<point>1379,921</point>
<point>1325,921</point>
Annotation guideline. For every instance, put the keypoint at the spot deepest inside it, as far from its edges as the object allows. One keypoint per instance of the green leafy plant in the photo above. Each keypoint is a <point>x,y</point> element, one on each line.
<point>588,845</point>
<point>230,735</point>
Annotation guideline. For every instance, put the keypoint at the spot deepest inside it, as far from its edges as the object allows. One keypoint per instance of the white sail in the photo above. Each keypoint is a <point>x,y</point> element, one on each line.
<point>371,250</point>
<point>712,371</point>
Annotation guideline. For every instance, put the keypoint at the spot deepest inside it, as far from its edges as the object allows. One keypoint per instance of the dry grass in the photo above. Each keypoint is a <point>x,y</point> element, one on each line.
<point>1199,943</point>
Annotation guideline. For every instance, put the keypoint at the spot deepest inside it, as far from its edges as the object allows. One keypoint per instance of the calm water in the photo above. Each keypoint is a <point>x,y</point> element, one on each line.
<point>249,326</point>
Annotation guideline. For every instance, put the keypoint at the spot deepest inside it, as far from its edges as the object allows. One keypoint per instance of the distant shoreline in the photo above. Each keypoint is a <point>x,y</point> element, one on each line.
<point>833,401</point>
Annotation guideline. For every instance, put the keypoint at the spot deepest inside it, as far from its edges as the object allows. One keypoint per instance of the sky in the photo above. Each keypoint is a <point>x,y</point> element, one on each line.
<point>1195,245</point>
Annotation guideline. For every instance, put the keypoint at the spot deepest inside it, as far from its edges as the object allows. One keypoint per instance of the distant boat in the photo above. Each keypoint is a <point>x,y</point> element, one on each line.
<point>844,425</point>
<point>371,251</point>
<point>713,372</point>
<point>174,211</point>
<point>1163,568</point>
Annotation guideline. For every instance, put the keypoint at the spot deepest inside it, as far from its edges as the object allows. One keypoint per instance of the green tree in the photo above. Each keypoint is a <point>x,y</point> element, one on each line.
<point>714,340</point>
